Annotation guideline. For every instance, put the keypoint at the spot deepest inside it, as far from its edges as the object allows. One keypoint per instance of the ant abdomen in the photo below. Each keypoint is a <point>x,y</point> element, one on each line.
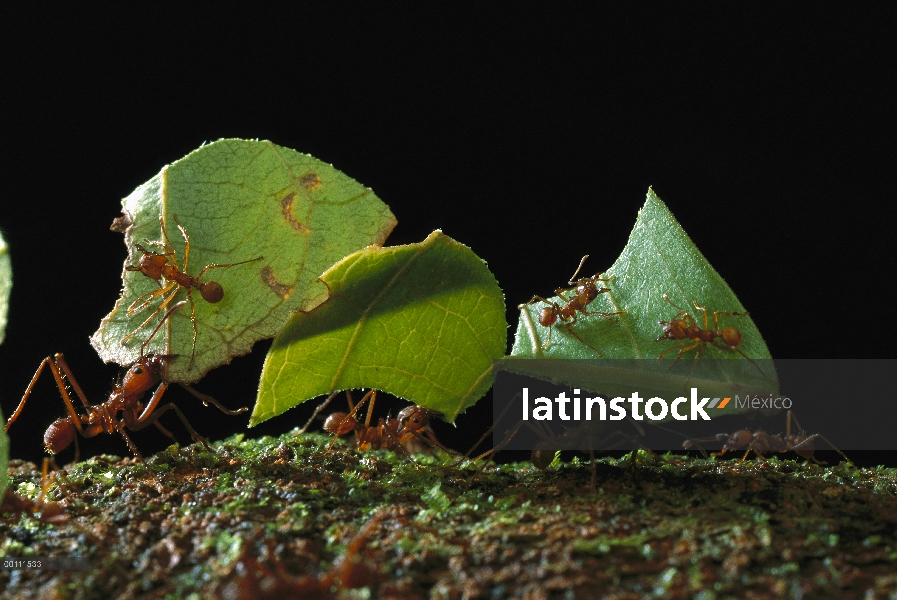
<point>731,336</point>
<point>548,316</point>
<point>339,424</point>
<point>211,291</point>
<point>59,436</point>
<point>543,455</point>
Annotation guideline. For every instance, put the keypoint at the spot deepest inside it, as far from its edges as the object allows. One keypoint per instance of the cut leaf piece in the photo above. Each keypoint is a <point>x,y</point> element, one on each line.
<point>659,259</point>
<point>5,286</point>
<point>237,200</point>
<point>423,322</point>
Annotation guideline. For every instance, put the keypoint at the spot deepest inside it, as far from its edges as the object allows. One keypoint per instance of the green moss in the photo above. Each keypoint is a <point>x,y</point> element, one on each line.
<point>179,524</point>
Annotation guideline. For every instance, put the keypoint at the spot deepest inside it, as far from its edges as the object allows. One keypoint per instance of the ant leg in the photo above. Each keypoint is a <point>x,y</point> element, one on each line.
<point>694,365</point>
<point>161,307</point>
<point>217,266</point>
<point>164,431</point>
<point>159,326</point>
<point>703,310</point>
<point>535,299</point>
<point>318,411</point>
<point>60,384</point>
<point>206,400</point>
<point>133,448</point>
<point>149,297</point>
<point>195,328</point>
<point>822,437</point>
<point>170,406</point>
<point>353,410</point>
<point>186,247</point>
<point>682,350</point>
<point>604,315</point>
<point>581,263</point>
<point>682,311</point>
<point>746,357</point>
<point>569,327</point>
<point>717,314</point>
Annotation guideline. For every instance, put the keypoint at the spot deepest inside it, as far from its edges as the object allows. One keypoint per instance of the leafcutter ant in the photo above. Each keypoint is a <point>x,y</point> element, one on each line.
<point>122,409</point>
<point>253,578</point>
<point>585,290</point>
<point>409,432</point>
<point>684,327</point>
<point>761,443</point>
<point>41,509</point>
<point>163,266</point>
<point>585,437</point>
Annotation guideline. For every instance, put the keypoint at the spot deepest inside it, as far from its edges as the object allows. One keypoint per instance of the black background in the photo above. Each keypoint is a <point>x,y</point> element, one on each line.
<point>532,136</point>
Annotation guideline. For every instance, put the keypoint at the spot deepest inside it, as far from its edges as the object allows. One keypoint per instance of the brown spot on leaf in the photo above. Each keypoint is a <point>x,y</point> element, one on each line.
<point>310,181</point>
<point>278,288</point>
<point>287,209</point>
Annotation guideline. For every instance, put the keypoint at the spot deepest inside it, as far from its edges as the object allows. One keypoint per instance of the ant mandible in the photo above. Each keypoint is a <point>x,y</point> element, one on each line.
<point>761,443</point>
<point>122,409</point>
<point>164,265</point>
<point>684,327</point>
<point>585,291</point>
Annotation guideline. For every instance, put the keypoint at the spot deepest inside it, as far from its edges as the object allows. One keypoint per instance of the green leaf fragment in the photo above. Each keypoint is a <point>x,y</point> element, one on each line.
<point>238,200</point>
<point>422,322</point>
<point>659,259</point>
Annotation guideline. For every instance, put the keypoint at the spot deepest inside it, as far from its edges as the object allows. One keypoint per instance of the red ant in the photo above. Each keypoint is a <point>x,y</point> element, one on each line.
<point>159,266</point>
<point>684,327</point>
<point>762,443</point>
<point>122,410</point>
<point>585,291</point>
<point>45,511</point>
<point>256,580</point>
<point>584,438</point>
<point>405,433</point>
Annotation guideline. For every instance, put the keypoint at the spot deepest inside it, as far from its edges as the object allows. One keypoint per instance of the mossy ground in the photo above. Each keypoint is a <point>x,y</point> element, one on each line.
<point>269,516</point>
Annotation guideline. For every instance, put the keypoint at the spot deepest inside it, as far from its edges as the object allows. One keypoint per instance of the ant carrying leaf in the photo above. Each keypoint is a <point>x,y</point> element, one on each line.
<point>164,269</point>
<point>122,410</point>
<point>684,327</point>
<point>585,291</point>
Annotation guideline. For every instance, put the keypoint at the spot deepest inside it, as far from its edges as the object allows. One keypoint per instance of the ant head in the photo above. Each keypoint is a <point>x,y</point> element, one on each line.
<point>672,330</point>
<point>143,374</point>
<point>59,435</point>
<point>211,291</point>
<point>151,263</point>
<point>413,417</point>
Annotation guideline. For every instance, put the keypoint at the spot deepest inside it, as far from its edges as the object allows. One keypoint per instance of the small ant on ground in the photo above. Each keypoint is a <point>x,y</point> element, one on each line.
<point>252,578</point>
<point>684,327</point>
<point>43,510</point>
<point>409,432</point>
<point>583,438</point>
<point>761,443</point>
<point>585,291</point>
<point>158,266</point>
<point>122,410</point>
